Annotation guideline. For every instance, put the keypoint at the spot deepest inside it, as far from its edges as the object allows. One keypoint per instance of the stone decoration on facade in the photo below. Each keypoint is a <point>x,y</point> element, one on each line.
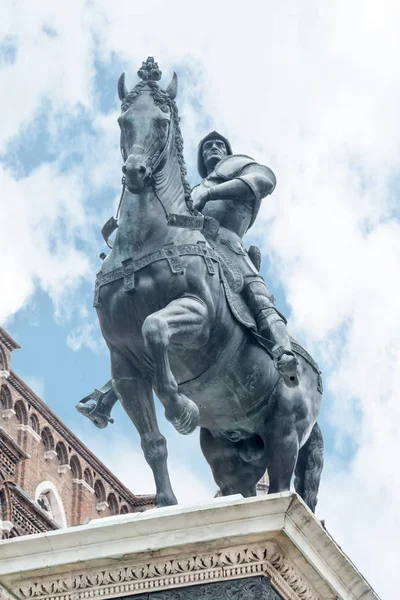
<point>237,562</point>
<point>44,466</point>
<point>253,588</point>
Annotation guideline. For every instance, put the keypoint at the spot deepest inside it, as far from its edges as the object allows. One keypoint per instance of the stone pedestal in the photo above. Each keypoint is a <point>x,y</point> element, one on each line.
<point>264,548</point>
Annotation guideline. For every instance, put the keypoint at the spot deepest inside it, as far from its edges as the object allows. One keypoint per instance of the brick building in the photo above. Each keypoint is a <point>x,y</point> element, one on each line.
<point>48,477</point>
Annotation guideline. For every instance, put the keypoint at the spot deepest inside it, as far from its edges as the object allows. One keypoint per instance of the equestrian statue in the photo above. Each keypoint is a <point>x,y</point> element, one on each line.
<point>186,314</point>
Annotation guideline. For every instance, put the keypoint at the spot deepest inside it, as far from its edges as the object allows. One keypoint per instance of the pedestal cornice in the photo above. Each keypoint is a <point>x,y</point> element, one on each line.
<point>230,538</point>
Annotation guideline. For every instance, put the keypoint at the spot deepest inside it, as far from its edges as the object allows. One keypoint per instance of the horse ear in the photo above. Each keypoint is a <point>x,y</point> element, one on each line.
<point>172,89</point>
<point>122,91</point>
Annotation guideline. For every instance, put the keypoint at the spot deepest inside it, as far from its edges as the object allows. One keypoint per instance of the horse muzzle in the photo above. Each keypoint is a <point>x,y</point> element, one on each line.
<point>137,174</point>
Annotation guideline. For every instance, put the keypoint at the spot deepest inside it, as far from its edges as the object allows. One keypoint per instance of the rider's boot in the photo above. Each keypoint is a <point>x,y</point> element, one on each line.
<point>272,326</point>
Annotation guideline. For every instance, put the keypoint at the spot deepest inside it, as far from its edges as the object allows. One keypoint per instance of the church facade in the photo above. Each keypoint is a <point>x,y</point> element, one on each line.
<point>48,478</point>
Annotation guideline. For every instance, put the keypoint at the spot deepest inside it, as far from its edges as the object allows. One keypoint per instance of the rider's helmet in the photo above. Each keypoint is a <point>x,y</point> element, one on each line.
<point>213,135</point>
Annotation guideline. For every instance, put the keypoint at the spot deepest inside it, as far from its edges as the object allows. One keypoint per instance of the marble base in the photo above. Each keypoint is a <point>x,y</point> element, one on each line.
<point>270,546</point>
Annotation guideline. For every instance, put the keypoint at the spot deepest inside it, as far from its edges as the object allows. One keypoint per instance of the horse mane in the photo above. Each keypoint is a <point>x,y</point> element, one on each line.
<point>163,101</point>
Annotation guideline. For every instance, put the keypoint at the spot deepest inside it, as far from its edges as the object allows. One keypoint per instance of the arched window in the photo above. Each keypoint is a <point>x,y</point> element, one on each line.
<point>34,423</point>
<point>49,500</point>
<point>124,510</point>
<point>62,453</point>
<point>5,398</point>
<point>76,468</point>
<point>47,439</point>
<point>88,477</point>
<point>99,491</point>
<point>21,412</point>
<point>113,504</point>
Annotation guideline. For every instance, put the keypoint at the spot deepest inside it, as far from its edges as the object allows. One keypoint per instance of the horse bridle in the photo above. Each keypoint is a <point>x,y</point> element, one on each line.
<point>155,160</point>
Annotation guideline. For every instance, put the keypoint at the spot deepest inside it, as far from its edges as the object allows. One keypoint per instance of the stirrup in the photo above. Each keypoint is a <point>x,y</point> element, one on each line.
<point>91,406</point>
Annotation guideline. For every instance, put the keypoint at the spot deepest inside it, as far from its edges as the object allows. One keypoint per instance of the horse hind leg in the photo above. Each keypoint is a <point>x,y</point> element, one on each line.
<point>232,474</point>
<point>282,444</point>
<point>136,395</point>
<point>183,321</point>
<point>309,467</point>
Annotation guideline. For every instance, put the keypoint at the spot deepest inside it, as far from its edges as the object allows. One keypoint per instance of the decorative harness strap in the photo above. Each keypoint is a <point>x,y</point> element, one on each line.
<point>170,252</point>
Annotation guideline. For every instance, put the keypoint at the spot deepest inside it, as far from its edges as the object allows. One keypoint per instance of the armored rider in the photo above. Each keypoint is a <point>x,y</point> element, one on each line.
<point>231,191</point>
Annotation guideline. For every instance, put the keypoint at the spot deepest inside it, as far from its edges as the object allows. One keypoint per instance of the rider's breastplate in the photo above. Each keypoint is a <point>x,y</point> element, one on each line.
<point>231,214</point>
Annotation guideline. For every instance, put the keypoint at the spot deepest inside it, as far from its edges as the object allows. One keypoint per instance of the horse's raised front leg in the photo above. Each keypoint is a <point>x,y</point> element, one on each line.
<point>183,321</point>
<point>136,395</point>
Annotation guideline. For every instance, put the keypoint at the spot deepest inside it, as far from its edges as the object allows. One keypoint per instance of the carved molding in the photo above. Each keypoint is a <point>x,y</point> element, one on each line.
<point>8,413</point>
<point>4,595</point>
<point>228,564</point>
<point>6,526</point>
<point>250,588</point>
<point>83,483</point>
<point>64,468</point>
<point>31,431</point>
<point>50,455</point>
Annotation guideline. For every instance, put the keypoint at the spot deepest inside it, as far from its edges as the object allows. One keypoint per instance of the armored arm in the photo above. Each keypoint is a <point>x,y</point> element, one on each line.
<point>253,182</point>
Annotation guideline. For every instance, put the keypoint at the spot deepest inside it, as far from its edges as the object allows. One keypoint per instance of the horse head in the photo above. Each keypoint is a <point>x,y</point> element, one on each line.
<point>147,124</point>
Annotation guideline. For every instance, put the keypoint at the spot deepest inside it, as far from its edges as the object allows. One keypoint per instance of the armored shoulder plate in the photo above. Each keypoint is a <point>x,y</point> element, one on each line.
<point>231,166</point>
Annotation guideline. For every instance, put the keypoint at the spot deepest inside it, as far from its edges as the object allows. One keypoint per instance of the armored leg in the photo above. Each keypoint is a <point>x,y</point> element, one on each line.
<point>271,326</point>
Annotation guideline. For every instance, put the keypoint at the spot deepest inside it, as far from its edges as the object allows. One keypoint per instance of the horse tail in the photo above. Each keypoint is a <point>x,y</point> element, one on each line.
<point>309,467</point>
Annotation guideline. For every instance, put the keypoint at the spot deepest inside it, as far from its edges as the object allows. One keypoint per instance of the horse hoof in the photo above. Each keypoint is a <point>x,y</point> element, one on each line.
<point>183,414</point>
<point>163,499</point>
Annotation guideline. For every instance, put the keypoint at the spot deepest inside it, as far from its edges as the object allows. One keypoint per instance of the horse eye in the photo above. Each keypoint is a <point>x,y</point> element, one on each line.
<point>123,120</point>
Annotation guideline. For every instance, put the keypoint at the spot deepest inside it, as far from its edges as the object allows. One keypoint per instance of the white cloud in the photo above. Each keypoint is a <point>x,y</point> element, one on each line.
<point>309,90</point>
<point>86,335</point>
<point>41,216</point>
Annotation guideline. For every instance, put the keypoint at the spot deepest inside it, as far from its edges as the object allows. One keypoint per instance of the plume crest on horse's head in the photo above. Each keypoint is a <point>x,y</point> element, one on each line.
<point>150,74</point>
<point>150,71</point>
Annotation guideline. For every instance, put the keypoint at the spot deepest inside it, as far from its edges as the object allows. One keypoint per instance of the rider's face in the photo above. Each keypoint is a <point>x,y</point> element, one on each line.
<point>213,152</point>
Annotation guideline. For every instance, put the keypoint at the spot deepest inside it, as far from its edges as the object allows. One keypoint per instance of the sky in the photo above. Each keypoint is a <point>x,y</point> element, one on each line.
<point>310,89</point>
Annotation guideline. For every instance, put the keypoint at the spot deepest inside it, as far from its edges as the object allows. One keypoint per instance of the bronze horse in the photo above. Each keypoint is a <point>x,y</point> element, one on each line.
<point>161,299</point>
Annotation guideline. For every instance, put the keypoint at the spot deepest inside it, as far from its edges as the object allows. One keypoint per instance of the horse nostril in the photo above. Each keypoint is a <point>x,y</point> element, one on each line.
<point>133,170</point>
